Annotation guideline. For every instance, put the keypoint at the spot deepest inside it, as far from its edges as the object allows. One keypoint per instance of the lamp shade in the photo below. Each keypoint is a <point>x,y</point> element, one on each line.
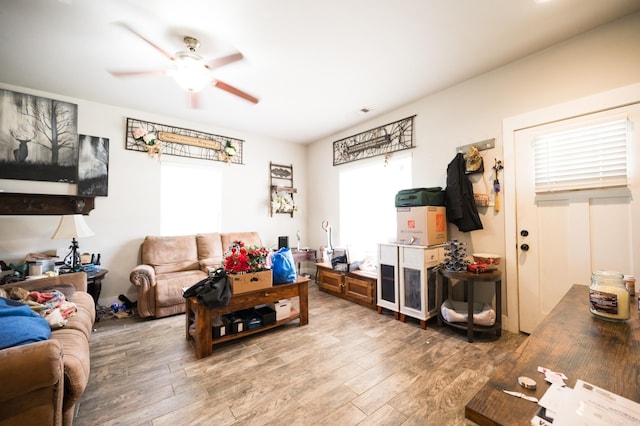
<point>72,226</point>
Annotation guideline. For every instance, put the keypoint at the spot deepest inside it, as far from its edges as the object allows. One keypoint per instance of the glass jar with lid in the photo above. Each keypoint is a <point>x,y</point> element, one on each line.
<point>608,296</point>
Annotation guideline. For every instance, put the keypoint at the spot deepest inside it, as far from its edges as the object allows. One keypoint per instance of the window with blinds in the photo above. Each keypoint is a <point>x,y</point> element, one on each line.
<point>588,157</point>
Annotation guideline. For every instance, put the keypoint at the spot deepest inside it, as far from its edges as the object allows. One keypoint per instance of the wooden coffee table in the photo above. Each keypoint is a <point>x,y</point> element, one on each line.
<point>198,316</point>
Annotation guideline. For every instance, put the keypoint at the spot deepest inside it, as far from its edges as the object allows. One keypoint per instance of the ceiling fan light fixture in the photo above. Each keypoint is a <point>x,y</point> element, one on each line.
<point>191,72</point>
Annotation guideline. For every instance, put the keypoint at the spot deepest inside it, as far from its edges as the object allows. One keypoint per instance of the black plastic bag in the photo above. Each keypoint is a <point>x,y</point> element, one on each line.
<point>214,291</point>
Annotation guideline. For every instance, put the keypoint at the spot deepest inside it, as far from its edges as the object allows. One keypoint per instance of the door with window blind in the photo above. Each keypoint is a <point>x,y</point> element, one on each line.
<point>575,213</point>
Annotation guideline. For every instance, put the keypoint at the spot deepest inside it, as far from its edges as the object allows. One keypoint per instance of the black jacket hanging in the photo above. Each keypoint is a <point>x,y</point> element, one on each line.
<point>461,206</point>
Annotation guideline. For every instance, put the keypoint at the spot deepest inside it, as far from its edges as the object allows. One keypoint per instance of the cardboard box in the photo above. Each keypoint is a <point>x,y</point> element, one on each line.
<point>251,281</point>
<point>282,308</point>
<point>422,226</point>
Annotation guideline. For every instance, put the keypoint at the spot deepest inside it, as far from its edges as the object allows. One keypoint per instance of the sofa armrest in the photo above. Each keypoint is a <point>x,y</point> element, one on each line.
<point>143,276</point>
<point>33,378</point>
<point>77,279</point>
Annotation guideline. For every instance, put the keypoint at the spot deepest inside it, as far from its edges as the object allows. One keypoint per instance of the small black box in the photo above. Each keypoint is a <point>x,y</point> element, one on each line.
<point>220,326</point>
<point>251,318</point>
<point>283,242</point>
<point>267,314</point>
<point>236,324</point>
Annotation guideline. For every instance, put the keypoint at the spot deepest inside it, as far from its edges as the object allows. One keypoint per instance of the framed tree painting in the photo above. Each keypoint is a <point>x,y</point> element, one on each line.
<point>93,166</point>
<point>38,138</point>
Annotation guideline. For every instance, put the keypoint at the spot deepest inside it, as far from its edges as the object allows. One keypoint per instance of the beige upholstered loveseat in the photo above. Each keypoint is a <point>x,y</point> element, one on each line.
<point>169,264</point>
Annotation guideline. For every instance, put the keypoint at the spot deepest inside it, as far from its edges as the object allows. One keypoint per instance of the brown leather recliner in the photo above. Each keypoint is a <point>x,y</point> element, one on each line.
<point>170,264</point>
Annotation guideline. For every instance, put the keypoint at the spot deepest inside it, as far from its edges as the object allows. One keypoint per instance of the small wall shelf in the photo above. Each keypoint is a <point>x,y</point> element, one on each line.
<point>44,204</point>
<point>281,193</point>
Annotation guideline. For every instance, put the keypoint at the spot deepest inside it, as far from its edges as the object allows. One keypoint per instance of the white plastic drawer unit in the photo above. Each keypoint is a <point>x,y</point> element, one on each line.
<point>421,257</point>
<point>388,286</point>
<point>417,281</point>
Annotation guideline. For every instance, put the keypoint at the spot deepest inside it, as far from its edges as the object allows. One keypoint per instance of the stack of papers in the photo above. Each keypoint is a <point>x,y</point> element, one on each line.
<point>585,405</point>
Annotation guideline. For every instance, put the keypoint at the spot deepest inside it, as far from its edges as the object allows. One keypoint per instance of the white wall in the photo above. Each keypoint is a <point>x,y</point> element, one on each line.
<point>603,59</point>
<point>131,210</point>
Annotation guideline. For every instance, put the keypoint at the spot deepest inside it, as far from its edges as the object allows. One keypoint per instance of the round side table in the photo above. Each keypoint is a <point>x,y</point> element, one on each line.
<point>470,280</point>
<point>94,284</point>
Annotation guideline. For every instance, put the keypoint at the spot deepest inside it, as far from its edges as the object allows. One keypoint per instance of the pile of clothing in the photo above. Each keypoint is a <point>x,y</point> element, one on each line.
<point>51,305</point>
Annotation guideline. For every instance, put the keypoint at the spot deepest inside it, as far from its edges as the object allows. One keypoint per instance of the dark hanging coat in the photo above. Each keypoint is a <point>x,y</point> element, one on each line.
<point>461,206</point>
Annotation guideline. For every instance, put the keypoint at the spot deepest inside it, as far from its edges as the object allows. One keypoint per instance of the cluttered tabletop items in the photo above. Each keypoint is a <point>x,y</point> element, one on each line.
<point>39,265</point>
<point>574,369</point>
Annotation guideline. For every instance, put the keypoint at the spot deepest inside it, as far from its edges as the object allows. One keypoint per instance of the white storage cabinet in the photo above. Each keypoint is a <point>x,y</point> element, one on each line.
<point>417,295</point>
<point>388,279</point>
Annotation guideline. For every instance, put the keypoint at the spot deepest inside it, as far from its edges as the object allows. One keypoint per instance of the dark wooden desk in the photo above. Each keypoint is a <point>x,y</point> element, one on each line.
<point>569,340</point>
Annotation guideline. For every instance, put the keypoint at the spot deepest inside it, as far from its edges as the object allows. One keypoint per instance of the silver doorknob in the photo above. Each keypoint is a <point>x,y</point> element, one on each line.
<point>524,247</point>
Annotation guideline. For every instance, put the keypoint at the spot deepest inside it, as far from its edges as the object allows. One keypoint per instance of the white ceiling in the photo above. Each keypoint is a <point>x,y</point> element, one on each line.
<point>312,64</point>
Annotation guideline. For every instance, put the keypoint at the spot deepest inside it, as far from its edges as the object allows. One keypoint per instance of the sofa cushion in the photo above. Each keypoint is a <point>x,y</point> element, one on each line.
<point>67,289</point>
<point>85,314</point>
<point>169,287</point>
<point>248,238</point>
<point>210,251</point>
<point>19,325</point>
<point>170,254</point>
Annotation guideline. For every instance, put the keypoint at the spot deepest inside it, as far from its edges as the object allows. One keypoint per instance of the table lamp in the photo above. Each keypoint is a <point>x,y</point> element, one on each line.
<point>72,226</point>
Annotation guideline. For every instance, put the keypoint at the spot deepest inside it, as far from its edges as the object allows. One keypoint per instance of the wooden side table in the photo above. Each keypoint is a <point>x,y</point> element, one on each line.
<point>470,280</point>
<point>94,284</point>
<point>303,256</point>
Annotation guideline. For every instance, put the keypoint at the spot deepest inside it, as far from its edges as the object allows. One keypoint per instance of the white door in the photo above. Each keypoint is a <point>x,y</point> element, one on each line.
<point>564,236</point>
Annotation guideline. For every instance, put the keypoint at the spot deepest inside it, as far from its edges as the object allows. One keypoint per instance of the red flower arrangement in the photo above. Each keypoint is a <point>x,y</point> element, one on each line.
<point>245,259</point>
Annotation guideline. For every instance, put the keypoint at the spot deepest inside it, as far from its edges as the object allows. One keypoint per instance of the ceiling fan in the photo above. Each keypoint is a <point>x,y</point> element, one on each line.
<point>191,71</point>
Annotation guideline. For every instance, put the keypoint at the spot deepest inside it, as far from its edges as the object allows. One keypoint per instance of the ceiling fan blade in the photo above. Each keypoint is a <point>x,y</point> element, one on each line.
<point>227,88</point>
<point>194,100</point>
<point>225,60</point>
<point>137,73</point>
<point>152,44</point>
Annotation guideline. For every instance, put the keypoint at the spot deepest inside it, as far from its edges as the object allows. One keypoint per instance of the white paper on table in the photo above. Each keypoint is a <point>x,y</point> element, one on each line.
<point>589,405</point>
<point>555,399</point>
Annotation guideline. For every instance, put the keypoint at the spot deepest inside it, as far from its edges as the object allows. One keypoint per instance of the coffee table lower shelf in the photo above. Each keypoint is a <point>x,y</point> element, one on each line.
<point>198,316</point>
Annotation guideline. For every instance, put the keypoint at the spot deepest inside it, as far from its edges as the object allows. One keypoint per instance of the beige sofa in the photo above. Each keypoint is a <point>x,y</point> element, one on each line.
<point>169,264</point>
<point>43,381</point>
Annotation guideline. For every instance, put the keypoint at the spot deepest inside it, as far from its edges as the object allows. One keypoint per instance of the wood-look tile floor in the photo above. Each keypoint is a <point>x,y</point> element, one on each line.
<point>349,366</point>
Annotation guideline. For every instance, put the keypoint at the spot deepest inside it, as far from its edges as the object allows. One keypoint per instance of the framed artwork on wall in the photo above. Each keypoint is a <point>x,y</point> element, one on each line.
<point>93,166</point>
<point>38,138</point>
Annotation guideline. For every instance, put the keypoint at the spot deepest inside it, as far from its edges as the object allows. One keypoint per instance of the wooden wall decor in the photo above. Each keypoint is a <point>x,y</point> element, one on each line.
<point>282,190</point>
<point>44,204</point>
<point>392,137</point>
<point>185,142</point>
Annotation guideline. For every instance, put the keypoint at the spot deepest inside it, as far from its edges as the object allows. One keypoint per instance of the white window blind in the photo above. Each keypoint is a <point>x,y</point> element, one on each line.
<point>588,157</point>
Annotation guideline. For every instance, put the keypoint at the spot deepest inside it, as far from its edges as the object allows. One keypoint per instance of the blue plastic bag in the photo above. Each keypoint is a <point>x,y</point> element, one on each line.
<point>283,266</point>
